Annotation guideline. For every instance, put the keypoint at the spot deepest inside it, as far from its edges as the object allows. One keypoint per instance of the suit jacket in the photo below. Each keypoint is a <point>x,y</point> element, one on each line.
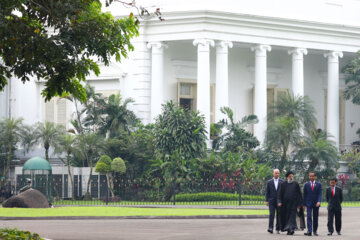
<point>311,197</point>
<point>271,193</point>
<point>334,203</point>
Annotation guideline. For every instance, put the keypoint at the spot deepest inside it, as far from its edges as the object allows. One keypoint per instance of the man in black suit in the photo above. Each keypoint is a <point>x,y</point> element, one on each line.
<point>272,187</point>
<point>334,198</point>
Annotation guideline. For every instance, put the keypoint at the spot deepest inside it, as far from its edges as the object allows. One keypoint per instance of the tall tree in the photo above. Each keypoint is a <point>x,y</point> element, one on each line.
<point>49,133</point>
<point>88,147</point>
<point>66,144</point>
<point>57,41</point>
<point>10,132</point>
<point>291,117</point>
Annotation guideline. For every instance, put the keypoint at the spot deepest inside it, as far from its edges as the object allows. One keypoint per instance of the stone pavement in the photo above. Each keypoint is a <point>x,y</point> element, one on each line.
<point>176,229</point>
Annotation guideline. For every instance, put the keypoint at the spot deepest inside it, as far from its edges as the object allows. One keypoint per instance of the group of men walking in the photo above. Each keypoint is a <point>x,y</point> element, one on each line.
<point>287,203</point>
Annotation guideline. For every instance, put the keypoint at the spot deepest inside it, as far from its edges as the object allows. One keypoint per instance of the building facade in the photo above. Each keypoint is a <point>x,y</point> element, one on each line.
<point>237,53</point>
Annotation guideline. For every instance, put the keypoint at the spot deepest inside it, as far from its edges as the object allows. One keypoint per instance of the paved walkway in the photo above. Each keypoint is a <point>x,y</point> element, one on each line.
<point>176,229</point>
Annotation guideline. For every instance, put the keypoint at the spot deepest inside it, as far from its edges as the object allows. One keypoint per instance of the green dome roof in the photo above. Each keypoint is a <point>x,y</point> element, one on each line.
<point>37,163</point>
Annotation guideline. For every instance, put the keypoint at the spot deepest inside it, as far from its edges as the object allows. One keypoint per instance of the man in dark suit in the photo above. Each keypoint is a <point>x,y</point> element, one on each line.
<point>312,201</point>
<point>272,187</point>
<point>334,198</point>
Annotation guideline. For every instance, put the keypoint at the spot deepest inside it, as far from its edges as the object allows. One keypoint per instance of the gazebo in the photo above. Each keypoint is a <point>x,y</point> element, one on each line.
<point>40,172</point>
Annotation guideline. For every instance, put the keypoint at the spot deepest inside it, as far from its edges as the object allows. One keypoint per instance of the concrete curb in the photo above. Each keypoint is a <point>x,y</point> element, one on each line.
<point>138,217</point>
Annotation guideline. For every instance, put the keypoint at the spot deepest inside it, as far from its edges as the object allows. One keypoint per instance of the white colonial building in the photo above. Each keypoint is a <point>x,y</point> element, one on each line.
<point>237,53</point>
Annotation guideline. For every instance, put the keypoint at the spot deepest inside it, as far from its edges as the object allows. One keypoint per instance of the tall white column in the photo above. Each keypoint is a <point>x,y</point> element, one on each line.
<point>222,78</point>
<point>203,80</point>
<point>260,98</point>
<point>333,95</point>
<point>157,78</point>
<point>298,71</point>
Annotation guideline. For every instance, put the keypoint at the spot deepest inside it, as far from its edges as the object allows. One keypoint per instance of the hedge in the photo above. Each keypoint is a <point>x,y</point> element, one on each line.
<point>216,196</point>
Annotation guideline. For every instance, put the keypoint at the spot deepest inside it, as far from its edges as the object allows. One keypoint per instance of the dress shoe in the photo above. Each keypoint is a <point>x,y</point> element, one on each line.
<point>329,233</point>
<point>339,233</point>
<point>270,231</point>
<point>307,234</point>
<point>315,234</point>
<point>291,233</point>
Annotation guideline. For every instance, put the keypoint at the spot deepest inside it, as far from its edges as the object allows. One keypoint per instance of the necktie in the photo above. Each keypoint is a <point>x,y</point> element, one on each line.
<point>312,186</point>
<point>332,192</point>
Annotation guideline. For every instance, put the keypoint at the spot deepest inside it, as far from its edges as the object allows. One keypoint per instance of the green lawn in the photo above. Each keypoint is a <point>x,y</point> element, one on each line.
<point>121,211</point>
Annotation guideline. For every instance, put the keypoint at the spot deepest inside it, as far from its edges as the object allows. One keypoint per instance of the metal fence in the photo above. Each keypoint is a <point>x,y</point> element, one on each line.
<point>198,191</point>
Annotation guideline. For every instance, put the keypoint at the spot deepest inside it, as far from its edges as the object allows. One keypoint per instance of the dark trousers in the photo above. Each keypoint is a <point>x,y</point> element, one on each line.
<point>330,224</point>
<point>312,219</point>
<point>272,209</point>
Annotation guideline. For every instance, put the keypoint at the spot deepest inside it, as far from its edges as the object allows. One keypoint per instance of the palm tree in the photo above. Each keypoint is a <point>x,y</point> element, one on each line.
<point>289,117</point>
<point>235,135</point>
<point>49,133</point>
<point>66,144</point>
<point>321,153</point>
<point>352,70</point>
<point>117,115</point>
<point>10,131</point>
<point>88,147</point>
<point>27,138</point>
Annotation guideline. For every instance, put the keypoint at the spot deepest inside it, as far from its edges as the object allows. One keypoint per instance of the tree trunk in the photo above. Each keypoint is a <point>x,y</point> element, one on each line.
<point>70,175</point>
<point>8,162</point>
<point>110,184</point>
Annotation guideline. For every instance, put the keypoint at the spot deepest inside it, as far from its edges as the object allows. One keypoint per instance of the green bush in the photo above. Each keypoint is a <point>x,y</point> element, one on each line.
<point>215,196</point>
<point>13,233</point>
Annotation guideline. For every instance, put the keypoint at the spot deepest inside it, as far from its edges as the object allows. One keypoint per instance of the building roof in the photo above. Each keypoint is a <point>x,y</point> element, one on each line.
<point>37,163</point>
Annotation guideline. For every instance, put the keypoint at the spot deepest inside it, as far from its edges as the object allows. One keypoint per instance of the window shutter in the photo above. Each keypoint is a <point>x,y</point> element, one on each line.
<point>50,111</point>
<point>61,117</point>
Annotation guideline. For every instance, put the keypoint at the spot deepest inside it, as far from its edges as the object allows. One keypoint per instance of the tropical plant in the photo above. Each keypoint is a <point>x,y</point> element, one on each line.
<point>352,80</point>
<point>317,153</point>
<point>235,136</point>
<point>179,130</point>
<point>66,144</point>
<point>10,133</point>
<point>352,159</point>
<point>49,133</point>
<point>88,147</point>
<point>117,115</point>
<point>290,118</point>
<point>27,138</point>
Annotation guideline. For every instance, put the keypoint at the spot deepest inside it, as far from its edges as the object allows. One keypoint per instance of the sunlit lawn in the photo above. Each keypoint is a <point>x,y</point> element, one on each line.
<point>121,211</point>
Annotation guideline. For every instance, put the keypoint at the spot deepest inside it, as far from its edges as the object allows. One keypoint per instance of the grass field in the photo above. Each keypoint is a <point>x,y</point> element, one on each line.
<point>121,211</point>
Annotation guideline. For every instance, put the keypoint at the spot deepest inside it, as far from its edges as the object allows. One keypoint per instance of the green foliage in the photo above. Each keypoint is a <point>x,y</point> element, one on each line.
<point>352,159</point>
<point>352,80</point>
<point>235,137</point>
<point>322,155</point>
<point>116,115</point>
<point>10,132</point>
<point>49,134</point>
<point>103,165</point>
<point>14,233</point>
<point>215,196</point>
<point>57,41</point>
<point>179,130</point>
<point>287,119</point>
<point>118,166</point>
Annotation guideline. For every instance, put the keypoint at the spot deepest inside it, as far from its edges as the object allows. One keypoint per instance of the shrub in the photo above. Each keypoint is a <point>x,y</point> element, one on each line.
<point>14,233</point>
<point>216,196</point>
